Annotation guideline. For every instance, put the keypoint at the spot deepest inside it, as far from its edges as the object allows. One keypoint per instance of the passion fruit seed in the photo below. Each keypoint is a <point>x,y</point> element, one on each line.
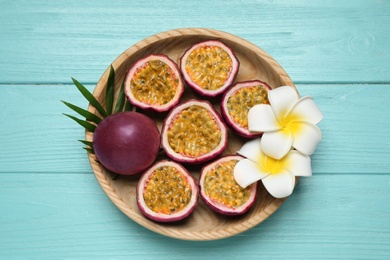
<point>167,191</point>
<point>154,83</point>
<point>194,132</point>
<point>209,67</point>
<point>221,187</point>
<point>243,100</point>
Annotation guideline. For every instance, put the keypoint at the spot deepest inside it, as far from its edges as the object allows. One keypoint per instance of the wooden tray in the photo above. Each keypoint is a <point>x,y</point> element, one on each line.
<point>203,224</point>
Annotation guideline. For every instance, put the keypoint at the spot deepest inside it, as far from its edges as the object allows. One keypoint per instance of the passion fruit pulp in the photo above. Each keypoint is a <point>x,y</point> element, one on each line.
<point>220,191</point>
<point>193,132</point>
<point>154,82</point>
<point>238,100</point>
<point>126,143</point>
<point>166,192</point>
<point>209,67</point>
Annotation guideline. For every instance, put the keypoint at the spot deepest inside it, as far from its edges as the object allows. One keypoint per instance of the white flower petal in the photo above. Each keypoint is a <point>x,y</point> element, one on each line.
<point>261,118</point>
<point>276,144</point>
<point>298,164</point>
<point>252,150</point>
<point>306,110</point>
<point>279,185</point>
<point>306,137</point>
<point>282,100</point>
<point>247,172</point>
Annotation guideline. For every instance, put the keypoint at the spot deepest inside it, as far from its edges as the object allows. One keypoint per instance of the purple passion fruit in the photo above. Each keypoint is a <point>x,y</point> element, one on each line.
<point>126,143</point>
<point>166,192</point>
<point>154,82</point>
<point>194,132</point>
<point>220,191</point>
<point>237,101</point>
<point>209,67</point>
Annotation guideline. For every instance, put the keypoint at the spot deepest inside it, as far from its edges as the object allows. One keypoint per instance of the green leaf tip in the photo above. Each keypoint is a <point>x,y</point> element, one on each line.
<point>88,143</point>
<point>88,95</point>
<point>82,112</point>
<point>87,125</point>
<point>89,150</point>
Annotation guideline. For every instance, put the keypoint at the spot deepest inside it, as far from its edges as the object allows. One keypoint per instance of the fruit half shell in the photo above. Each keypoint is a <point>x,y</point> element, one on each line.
<point>209,67</point>
<point>166,192</point>
<point>220,191</point>
<point>237,101</point>
<point>154,82</point>
<point>193,132</point>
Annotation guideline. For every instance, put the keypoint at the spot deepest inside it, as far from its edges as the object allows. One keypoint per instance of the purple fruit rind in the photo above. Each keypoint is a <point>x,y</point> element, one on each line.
<point>126,143</point>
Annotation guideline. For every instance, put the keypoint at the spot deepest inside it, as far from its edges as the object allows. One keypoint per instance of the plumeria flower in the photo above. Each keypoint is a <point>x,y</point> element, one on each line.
<point>287,122</point>
<point>278,176</point>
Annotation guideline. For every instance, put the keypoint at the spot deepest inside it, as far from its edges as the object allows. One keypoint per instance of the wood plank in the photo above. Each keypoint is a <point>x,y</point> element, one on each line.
<point>328,41</point>
<point>355,128</point>
<point>36,137</point>
<point>69,216</point>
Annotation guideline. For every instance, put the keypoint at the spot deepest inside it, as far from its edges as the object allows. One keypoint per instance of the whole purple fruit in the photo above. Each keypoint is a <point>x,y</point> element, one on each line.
<point>126,143</point>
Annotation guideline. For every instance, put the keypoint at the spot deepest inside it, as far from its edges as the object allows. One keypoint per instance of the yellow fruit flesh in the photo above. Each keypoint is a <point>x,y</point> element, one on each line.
<point>209,67</point>
<point>167,191</point>
<point>243,99</point>
<point>155,83</point>
<point>194,132</point>
<point>220,186</point>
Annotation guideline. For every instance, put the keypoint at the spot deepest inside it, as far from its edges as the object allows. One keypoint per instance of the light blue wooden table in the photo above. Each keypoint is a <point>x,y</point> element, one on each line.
<point>51,206</point>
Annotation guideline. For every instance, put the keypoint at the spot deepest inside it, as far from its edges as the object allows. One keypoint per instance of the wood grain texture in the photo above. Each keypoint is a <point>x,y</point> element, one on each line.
<point>329,41</point>
<point>69,216</point>
<point>36,137</point>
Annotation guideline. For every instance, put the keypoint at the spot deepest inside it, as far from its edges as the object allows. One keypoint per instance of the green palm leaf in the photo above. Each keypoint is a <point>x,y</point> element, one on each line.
<point>87,125</point>
<point>92,100</point>
<point>88,143</point>
<point>110,88</point>
<point>120,101</point>
<point>85,113</point>
<point>128,106</point>
<point>90,150</point>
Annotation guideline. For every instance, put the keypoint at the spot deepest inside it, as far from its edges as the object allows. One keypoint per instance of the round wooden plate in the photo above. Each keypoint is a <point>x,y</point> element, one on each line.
<point>203,224</point>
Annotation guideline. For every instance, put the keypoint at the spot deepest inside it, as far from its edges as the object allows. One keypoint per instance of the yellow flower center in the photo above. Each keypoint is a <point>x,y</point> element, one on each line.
<point>291,124</point>
<point>273,166</point>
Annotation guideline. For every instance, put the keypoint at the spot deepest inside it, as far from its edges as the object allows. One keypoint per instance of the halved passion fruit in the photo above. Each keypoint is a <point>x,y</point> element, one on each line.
<point>237,101</point>
<point>154,82</point>
<point>209,67</point>
<point>220,191</point>
<point>194,132</point>
<point>166,192</point>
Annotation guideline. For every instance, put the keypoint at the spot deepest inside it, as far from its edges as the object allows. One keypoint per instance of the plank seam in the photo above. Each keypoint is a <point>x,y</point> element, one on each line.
<point>295,82</point>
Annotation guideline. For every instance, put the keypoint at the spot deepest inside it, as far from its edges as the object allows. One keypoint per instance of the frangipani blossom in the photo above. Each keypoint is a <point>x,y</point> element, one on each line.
<point>287,122</point>
<point>278,176</point>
